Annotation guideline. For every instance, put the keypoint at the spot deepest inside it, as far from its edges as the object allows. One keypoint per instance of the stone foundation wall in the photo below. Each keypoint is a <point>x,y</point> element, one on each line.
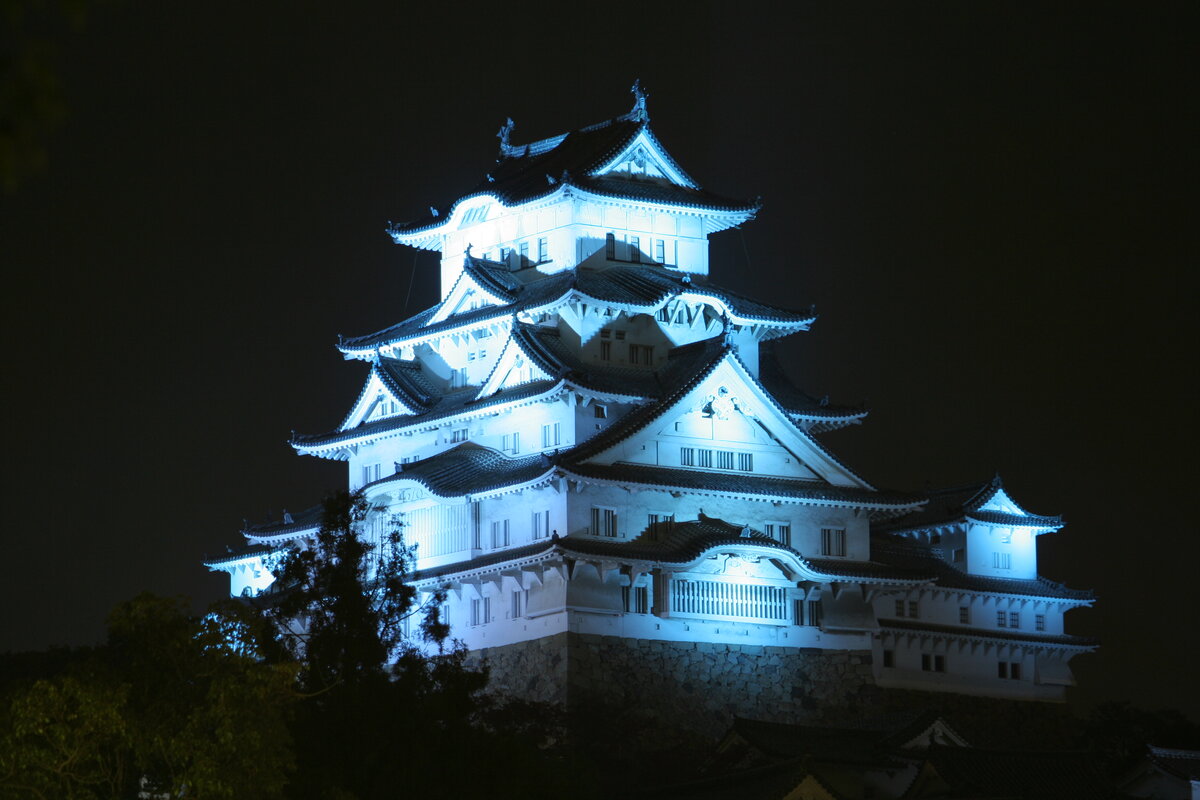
<point>696,687</point>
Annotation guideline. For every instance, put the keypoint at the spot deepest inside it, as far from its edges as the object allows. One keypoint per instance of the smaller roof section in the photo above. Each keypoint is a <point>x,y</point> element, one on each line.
<point>619,158</point>
<point>987,504</point>
<point>287,528</point>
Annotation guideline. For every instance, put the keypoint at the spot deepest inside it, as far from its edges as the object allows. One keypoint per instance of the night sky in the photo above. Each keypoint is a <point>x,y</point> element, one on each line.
<point>987,204</point>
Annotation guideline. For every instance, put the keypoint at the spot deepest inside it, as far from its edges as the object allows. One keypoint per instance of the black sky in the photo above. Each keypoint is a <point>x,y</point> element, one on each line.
<point>988,204</point>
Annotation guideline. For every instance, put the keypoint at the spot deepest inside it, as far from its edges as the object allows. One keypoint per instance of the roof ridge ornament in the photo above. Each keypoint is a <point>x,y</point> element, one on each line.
<point>639,113</point>
<point>505,135</point>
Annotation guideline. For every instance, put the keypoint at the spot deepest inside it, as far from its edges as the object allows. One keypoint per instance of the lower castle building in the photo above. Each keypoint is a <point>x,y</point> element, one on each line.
<point>596,452</point>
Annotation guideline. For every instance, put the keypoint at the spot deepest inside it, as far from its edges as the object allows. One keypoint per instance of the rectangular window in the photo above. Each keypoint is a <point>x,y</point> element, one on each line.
<point>541,524</point>
<point>687,456</point>
<point>620,335</point>
<point>635,249</point>
<point>814,613</point>
<point>1039,622</point>
<point>1008,670</point>
<point>1002,669</point>
<point>833,542</point>
<point>964,615</point>
<point>660,251</point>
<point>606,351</point>
<point>543,250</point>
<point>605,333</point>
<point>1001,560</point>
<point>889,658</point>
<point>459,435</point>
<point>500,533</point>
<point>724,459</point>
<point>551,435</point>
<point>641,355</point>
<point>912,609</point>
<point>635,599</point>
<point>601,412</point>
<point>515,610</point>
<point>956,555</point>
<point>779,531</point>
<point>899,608</point>
<point>933,663</point>
<point>746,462</point>
<point>1014,671</point>
<point>523,251</point>
<point>510,443</point>
<point>478,614</point>
<point>663,314</point>
<point>705,458</point>
<point>610,246</point>
<point>604,521</point>
<point>659,524</point>
<point>1001,619</point>
<point>1014,619</point>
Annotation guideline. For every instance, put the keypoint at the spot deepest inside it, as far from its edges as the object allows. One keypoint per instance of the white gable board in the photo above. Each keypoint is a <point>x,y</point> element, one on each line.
<point>465,295</point>
<point>728,424</point>
<point>376,401</point>
<point>513,368</point>
<point>1000,502</point>
<point>644,156</point>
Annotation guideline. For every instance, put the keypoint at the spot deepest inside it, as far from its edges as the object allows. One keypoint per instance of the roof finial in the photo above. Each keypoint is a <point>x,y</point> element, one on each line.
<point>639,113</point>
<point>505,135</point>
<point>469,246</point>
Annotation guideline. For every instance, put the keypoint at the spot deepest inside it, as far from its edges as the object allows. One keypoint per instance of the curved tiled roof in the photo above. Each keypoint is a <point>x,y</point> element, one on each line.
<point>470,469</point>
<point>743,483</point>
<point>921,626</point>
<point>961,503</point>
<point>305,520</point>
<point>462,401</point>
<point>541,168</point>
<point>796,402</point>
<point>545,347</point>
<point>904,554</point>
<point>642,288</point>
<point>239,554</point>
<point>683,543</point>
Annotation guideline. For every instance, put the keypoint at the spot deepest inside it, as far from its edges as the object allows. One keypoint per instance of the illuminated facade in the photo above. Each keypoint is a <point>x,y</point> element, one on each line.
<point>586,436</point>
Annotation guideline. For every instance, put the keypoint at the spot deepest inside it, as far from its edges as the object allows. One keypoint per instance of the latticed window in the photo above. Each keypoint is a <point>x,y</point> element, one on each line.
<point>604,522</point>
<point>728,600</point>
<point>833,542</point>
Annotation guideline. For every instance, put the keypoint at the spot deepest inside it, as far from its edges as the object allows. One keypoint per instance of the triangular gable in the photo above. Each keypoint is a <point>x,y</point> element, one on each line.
<point>996,499</point>
<point>514,367</point>
<point>644,156</point>
<point>729,415</point>
<point>375,401</point>
<point>810,788</point>
<point>467,294</point>
<point>936,732</point>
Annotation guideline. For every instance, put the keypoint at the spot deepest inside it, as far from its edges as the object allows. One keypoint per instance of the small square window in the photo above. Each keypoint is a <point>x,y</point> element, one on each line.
<point>601,412</point>
<point>964,614</point>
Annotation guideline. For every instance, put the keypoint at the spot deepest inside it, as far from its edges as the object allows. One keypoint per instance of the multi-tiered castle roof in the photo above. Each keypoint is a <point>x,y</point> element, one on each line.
<point>588,436</point>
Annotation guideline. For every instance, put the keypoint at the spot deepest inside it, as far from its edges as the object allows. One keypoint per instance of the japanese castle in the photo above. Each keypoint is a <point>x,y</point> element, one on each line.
<point>597,453</point>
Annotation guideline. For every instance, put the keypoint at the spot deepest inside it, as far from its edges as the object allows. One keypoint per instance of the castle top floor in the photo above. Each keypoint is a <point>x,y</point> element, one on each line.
<point>556,202</point>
